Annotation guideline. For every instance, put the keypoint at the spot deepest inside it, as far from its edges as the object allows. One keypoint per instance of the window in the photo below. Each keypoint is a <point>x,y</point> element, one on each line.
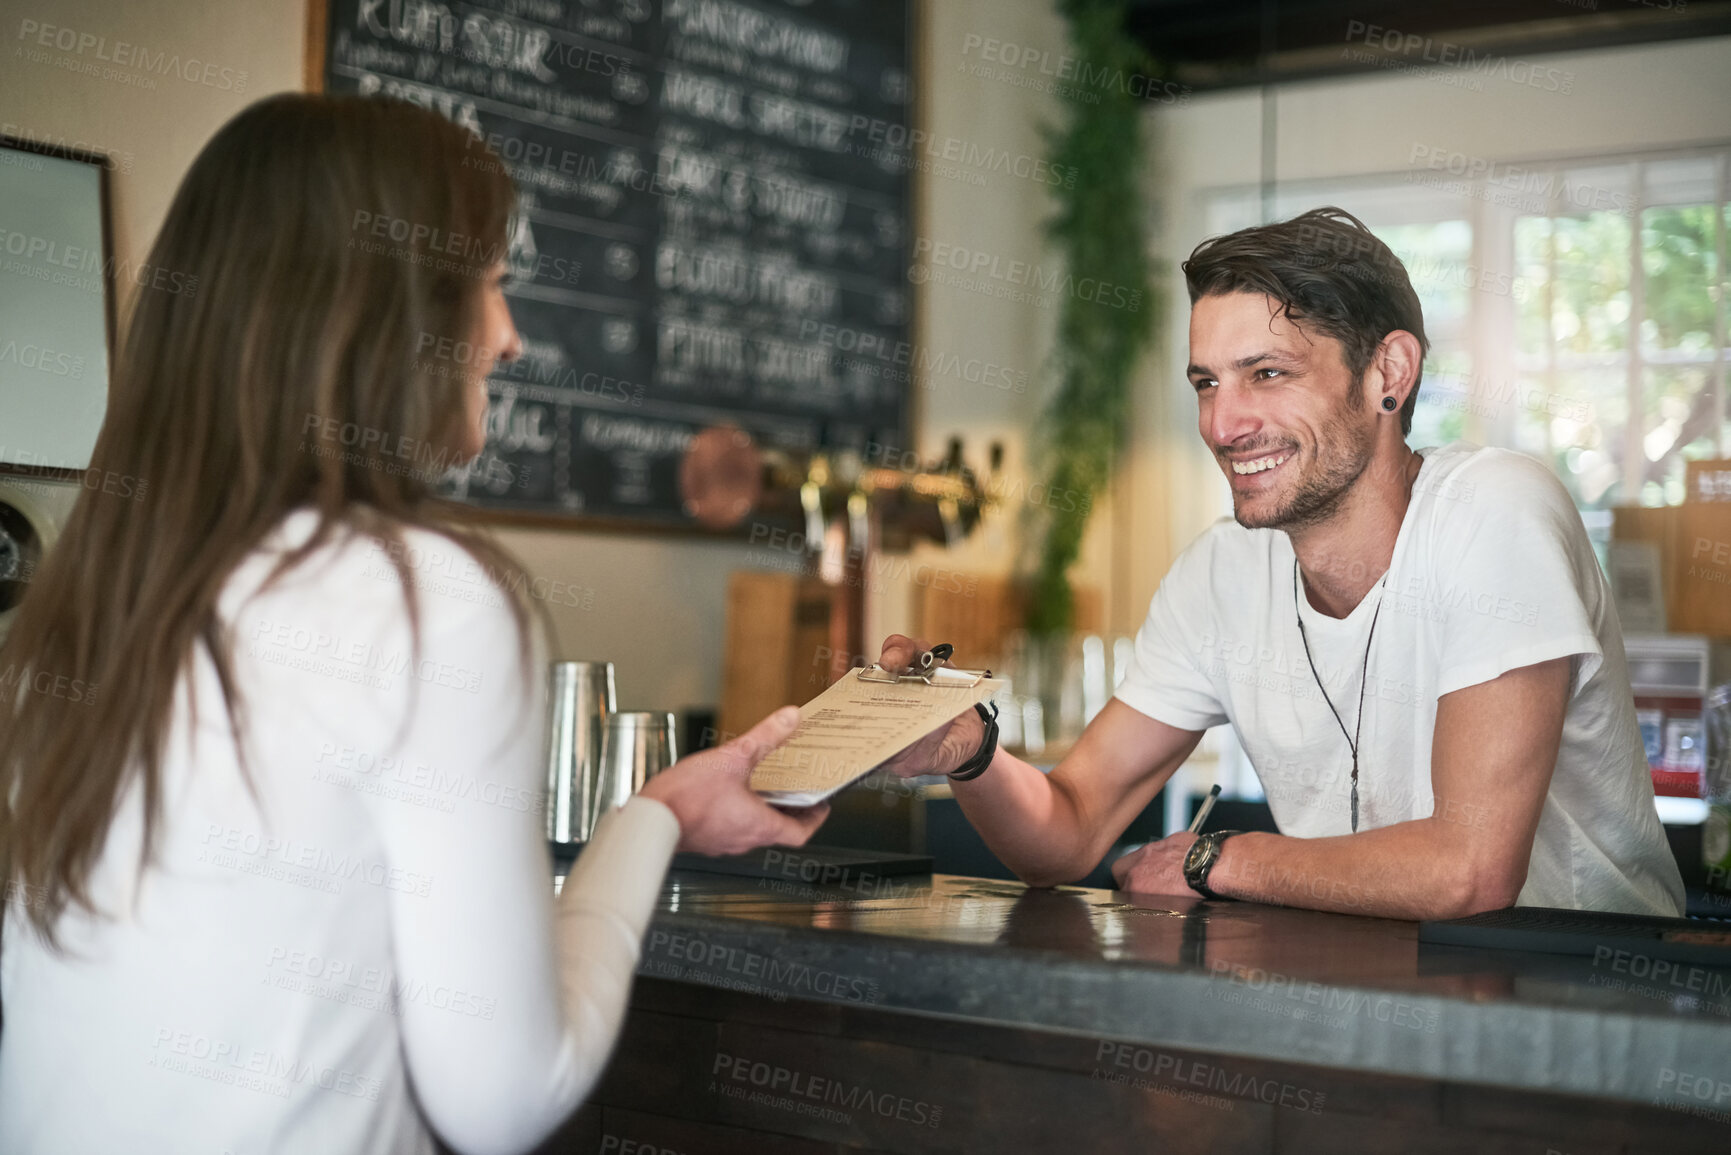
<point>1576,310</point>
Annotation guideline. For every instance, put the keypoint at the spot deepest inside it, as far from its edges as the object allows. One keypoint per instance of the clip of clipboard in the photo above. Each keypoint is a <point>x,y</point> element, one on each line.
<point>932,676</point>
<point>929,668</point>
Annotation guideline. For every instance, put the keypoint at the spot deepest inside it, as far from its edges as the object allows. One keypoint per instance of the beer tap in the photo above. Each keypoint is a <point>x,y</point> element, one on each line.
<point>858,524</point>
<point>949,510</point>
<point>811,500</point>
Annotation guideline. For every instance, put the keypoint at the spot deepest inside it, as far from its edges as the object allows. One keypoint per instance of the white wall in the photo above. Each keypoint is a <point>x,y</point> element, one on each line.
<point>972,106</point>
<point>658,608</point>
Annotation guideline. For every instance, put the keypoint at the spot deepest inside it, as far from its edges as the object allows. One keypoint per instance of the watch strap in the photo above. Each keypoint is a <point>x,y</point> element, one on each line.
<point>976,766</point>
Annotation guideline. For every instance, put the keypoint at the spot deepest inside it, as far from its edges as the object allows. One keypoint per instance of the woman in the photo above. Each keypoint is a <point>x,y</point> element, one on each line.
<point>276,872</point>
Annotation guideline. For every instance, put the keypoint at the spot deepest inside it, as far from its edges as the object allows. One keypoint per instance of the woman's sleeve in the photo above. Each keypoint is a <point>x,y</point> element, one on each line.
<point>509,1004</point>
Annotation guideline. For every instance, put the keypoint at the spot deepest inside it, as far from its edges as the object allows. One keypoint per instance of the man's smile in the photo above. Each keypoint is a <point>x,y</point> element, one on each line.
<point>1263,463</point>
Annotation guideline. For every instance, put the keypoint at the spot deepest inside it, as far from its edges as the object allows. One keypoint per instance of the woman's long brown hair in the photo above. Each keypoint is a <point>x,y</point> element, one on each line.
<point>316,249</point>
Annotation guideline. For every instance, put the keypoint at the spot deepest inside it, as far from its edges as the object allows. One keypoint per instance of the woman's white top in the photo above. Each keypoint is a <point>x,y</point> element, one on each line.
<point>371,946</point>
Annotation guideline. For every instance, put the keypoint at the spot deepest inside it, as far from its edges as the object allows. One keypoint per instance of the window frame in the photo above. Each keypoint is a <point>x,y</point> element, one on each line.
<point>1490,328</point>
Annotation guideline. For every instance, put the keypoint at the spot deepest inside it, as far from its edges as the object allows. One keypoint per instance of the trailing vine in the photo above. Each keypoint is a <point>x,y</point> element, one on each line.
<point>1101,332</point>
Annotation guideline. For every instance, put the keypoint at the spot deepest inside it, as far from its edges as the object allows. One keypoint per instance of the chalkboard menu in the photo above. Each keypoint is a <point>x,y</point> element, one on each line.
<point>715,225</point>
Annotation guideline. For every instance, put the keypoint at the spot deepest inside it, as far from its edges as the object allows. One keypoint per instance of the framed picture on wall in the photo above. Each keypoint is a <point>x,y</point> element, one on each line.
<point>56,307</point>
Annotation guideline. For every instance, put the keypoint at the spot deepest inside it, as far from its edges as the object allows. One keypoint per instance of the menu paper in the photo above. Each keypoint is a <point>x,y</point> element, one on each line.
<point>856,725</point>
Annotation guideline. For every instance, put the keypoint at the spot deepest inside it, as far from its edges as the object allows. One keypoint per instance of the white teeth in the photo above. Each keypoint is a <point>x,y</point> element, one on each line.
<point>1257,466</point>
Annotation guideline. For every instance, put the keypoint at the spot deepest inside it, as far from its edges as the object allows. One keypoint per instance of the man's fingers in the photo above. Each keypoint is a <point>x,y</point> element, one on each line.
<point>899,651</point>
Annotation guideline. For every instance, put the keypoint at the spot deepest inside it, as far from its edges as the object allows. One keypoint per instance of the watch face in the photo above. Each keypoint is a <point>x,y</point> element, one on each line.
<point>1196,855</point>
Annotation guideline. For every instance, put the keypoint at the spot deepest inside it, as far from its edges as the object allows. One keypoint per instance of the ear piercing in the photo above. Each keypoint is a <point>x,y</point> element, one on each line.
<point>1390,404</point>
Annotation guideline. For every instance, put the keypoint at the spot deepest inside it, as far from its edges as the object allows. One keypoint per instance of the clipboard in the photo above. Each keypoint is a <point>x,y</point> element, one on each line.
<point>866,717</point>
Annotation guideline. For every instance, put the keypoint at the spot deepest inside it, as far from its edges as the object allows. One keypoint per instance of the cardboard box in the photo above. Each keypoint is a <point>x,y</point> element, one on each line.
<point>1703,569</point>
<point>786,641</point>
<point>1694,543</point>
<point>1707,480</point>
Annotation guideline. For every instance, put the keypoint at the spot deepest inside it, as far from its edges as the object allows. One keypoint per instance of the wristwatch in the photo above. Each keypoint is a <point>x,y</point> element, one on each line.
<point>1200,859</point>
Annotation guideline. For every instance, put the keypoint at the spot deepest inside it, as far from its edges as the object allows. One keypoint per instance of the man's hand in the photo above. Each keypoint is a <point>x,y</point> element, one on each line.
<point>718,812</point>
<point>1157,868</point>
<point>943,749</point>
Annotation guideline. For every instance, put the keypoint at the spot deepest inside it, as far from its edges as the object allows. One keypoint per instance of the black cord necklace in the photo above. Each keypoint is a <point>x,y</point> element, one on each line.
<point>1351,739</point>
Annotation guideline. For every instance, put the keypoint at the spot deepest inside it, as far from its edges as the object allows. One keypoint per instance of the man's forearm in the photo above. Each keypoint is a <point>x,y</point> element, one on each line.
<point>1417,869</point>
<point>1052,828</point>
<point>1024,819</point>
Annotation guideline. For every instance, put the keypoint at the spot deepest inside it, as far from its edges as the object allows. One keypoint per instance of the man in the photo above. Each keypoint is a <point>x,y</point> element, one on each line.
<point>1418,650</point>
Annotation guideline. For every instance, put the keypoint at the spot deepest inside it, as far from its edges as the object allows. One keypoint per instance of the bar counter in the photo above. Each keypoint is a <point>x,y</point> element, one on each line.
<point>941,1013</point>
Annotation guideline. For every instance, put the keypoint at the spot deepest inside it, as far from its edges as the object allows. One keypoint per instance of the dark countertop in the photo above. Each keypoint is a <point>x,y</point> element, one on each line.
<point>1232,978</point>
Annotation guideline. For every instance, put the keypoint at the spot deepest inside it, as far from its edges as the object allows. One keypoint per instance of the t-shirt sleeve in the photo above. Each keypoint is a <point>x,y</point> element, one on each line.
<point>1165,679</point>
<point>1515,577</point>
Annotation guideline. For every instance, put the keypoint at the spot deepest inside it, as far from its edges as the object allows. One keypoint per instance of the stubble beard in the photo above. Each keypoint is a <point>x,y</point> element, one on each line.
<point>1342,456</point>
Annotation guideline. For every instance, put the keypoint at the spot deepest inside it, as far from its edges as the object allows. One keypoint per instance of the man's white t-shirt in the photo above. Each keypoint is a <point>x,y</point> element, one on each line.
<point>1491,571</point>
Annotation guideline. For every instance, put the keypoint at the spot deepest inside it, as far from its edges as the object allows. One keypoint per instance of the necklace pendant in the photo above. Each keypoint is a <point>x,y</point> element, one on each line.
<point>1355,808</point>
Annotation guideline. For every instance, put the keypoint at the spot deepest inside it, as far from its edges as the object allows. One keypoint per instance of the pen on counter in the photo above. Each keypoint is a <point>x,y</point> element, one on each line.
<point>1207,805</point>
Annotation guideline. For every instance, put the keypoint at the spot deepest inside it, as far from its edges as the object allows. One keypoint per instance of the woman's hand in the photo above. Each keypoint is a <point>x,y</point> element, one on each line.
<point>718,813</point>
<point>949,745</point>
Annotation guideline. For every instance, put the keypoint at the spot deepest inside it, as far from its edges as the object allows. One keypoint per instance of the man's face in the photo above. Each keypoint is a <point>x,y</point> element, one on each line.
<point>1277,406</point>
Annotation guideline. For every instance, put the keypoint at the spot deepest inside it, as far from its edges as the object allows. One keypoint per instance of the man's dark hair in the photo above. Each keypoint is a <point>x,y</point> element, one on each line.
<point>1328,272</point>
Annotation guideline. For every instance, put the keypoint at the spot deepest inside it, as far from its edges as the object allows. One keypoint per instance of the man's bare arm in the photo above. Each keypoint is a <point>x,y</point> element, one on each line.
<point>1492,755</point>
<point>1052,828</point>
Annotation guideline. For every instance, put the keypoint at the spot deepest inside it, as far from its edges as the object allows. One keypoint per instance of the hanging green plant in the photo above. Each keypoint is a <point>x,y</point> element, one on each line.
<point>1105,319</point>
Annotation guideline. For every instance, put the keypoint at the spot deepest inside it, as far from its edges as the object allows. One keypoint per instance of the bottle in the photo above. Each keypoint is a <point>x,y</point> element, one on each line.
<point>1716,788</point>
